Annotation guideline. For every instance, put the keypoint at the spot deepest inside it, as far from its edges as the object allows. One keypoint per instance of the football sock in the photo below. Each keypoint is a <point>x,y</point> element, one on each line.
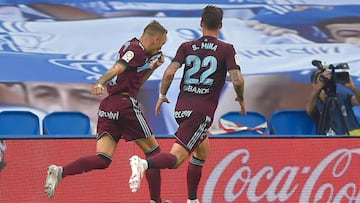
<point>193,177</point>
<point>162,160</point>
<point>87,163</point>
<point>153,177</point>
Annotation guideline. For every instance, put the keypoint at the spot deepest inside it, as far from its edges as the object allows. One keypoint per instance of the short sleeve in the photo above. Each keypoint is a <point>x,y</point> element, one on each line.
<point>132,55</point>
<point>180,54</point>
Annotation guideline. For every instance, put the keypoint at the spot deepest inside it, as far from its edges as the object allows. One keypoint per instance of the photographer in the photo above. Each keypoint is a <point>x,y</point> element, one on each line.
<point>335,117</point>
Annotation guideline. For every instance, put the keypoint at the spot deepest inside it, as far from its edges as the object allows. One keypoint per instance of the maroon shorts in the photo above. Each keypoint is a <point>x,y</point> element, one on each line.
<point>192,128</point>
<point>120,117</point>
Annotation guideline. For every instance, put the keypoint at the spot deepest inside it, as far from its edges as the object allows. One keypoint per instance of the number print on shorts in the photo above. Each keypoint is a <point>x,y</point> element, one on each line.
<point>195,61</point>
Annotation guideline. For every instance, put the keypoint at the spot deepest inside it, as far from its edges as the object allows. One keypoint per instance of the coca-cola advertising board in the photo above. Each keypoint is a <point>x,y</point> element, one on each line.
<point>237,170</point>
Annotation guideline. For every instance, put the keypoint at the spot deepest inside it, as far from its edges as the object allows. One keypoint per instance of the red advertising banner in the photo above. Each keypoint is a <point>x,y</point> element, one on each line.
<point>238,170</point>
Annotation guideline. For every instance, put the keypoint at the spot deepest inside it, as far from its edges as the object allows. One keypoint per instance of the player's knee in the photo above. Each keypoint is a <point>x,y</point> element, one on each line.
<point>106,160</point>
<point>152,152</point>
<point>176,162</point>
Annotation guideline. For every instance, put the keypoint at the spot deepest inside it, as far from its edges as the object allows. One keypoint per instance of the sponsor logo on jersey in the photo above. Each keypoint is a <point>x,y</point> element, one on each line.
<point>196,90</point>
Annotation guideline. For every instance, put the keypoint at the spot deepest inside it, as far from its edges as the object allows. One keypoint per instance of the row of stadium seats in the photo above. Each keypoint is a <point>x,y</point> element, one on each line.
<point>27,123</point>
<point>285,122</point>
<point>281,123</point>
<point>69,123</point>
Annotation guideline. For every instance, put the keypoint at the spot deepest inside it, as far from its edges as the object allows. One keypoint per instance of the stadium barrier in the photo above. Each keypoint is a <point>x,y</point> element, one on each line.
<point>270,169</point>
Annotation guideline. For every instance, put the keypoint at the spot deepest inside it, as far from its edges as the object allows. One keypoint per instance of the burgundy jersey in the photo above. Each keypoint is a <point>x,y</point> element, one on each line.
<point>207,61</point>
<point>137,61</point>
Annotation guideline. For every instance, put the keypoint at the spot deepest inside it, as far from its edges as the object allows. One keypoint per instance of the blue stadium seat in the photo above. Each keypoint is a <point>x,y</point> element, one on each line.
<point>237,125</point>
<point>22,123</point>
<point>291,122</point>
<point>66,122</point>
<point>14,107</point>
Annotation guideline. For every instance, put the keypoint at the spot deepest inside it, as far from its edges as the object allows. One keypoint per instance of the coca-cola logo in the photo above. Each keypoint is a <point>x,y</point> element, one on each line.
<point>283,185</point>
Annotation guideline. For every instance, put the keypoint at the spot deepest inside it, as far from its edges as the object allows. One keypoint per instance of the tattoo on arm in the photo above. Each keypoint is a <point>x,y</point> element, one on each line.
<point>165,84</point>
<point>238,83</point>
<point>168,77</point>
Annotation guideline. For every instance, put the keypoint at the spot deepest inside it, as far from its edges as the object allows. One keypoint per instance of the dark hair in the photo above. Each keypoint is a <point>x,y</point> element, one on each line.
<point>342,20</point>
<point>154,28</point>
<point>212,17</point>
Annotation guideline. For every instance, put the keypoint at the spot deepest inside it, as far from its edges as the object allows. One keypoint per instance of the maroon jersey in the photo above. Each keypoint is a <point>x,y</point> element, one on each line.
<point>207,61</point>
<point>137,61</point>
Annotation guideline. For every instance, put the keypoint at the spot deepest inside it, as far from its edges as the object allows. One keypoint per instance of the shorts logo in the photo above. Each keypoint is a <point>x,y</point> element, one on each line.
<point>128,56</point>
<point>182,114</point>
<point>110,115</point>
